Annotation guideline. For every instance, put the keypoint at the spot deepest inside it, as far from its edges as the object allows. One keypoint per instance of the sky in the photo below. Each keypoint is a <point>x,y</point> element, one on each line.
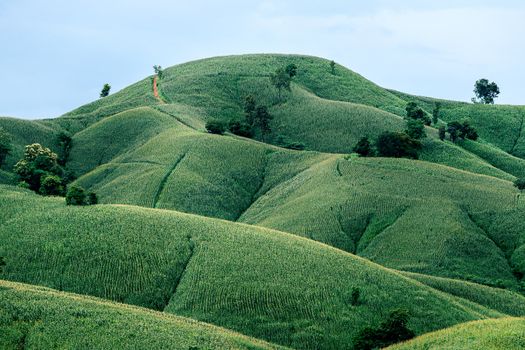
<point>57,54</point>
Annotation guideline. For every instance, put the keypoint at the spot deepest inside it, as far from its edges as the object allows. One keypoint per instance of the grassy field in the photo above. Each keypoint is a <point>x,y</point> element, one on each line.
<point>40,318</point>
<point>259,282</point>
<point>504,334</point>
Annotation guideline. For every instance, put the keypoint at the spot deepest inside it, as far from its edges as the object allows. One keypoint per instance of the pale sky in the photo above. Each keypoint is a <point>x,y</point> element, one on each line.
<point>57,54</point>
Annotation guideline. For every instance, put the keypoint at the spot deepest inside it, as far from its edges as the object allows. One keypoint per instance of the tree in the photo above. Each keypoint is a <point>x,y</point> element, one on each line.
<point>240,128</point>
<point>92,198</point>
<point>51,185</point>
<point>519,183</point>
<point>442,132</point>
<point>158,71</point>
<point>454,128</point>
<point>262,120</point>
<point>414,112</point>
<point>397,144</point>
<point>5,146</point>
<point>291,69</point>
<point>281,81</point>
<point>416,129</point>
<point>332,67</point>
<point>435,113</point>
<point>216,127</point>
<point>105,90</point>
<point>249,109</point>
<point>37,163</point>
<point>393,330</point>
<point>363,147</point>
<point>485,91</point>
<point>2,264</point>
<point>75,195</point>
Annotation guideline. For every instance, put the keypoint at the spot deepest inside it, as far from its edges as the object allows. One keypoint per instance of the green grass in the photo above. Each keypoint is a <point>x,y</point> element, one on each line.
<point>37,318</point>
<point>504,334</point>
<point>259,282</point>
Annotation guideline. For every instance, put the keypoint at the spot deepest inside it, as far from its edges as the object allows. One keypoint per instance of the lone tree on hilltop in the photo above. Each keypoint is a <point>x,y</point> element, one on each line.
<point>158,71</point>
<point>332,67</point>
<point>5,146</point>
<point>105,90</point>
<point>485,91</point>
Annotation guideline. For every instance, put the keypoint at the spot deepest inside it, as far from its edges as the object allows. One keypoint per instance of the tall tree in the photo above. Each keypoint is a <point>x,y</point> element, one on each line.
<point>105,90</point>
<point>281,80</point>
<point>416,129</point>
<point>332,67</point>
<point>415,112</point>
<point>262,120</point>
<point>249,109</point>
<point>158,71</point>
<point>485,91</point>
<point>38,163</point>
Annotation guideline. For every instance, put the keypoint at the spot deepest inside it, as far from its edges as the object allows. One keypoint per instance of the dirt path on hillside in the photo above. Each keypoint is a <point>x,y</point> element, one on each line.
<point>156,90</point>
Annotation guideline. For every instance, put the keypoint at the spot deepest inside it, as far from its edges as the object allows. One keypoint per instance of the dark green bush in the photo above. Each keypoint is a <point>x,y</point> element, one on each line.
<point>240,128</point>
<point>216,127</point>
<point>397,144</point>
<point>363,147</point>
<point>391,331</point>
<point>76,196</point>
<point>51,185</point>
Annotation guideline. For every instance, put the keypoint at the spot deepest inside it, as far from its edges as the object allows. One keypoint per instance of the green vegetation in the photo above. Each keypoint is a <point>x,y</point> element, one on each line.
<point>450,223</point>
<point>5,146</point>
<point>391,331</point>
<point>36,317</point>
<point>504,334</point>
<point>485,92</point>
<point>105,90</point>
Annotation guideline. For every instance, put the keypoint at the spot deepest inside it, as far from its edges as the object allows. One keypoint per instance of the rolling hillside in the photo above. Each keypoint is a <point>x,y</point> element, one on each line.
<point>263,240</point>
<point>36,317</point>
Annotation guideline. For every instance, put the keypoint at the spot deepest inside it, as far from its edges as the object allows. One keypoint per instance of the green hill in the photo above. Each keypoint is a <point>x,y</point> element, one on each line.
<point>35,318</point>
<point>256,281</point>
<point>263,240</point>
<point>504,334</point>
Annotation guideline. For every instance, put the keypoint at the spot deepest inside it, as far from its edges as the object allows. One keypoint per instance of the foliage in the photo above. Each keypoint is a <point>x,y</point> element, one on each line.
<point>2,264</point>
<point>216,127</point>
<point>442,132</point>
<point>291,69</point>
<point>51,185</point>
<point>5,146</point>
<point>397,144</point>
<point>105,90</point>
<point>240,128</point>
<point>415,129</point>
<point>281,80</point>
<point>363,147</point>
<point>332,67</point>
<point>249,109</point>
<point>391,331</point>
<point>262,120</point>
<point>436,112</point>
<point>75,195</point>
<point>520,183</point>
<point>461,130</point>
<point>37,163</point>
<point>158,71</point>
<point>92,198</point>
<point>413,111</point>
<point>65,142</point>
<point>286,143</point>
<point>486,91</point>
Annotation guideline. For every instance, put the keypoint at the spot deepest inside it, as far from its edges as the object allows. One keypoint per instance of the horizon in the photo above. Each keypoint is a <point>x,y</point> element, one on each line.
<point>60,54</point>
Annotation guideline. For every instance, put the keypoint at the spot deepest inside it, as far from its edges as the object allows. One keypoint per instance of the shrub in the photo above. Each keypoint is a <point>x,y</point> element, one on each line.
<point>240,128</point>
<point>105,90</point>
<point>291,69</point>
<point>37,163</point>
<point>363,147</point>
<point>2,264</point>
<point>416,129</point>
<point>92,198</point>
<point>356,293</point>
<point>442,132</point>
<point>391,331</point>
<point>76,196</point>
<point>216,127</point>
<point>51,185</point>
<point>332,67</point>
<point>520,183</point>
<point>414,112</point>
<point>397,144</point>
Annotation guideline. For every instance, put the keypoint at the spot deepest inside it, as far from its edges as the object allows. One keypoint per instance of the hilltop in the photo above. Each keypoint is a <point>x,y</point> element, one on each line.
<point>250,235</point>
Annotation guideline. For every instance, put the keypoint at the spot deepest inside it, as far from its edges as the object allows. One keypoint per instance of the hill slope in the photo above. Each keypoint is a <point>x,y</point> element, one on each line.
<point>36,317</point>
<point>259,282</point>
